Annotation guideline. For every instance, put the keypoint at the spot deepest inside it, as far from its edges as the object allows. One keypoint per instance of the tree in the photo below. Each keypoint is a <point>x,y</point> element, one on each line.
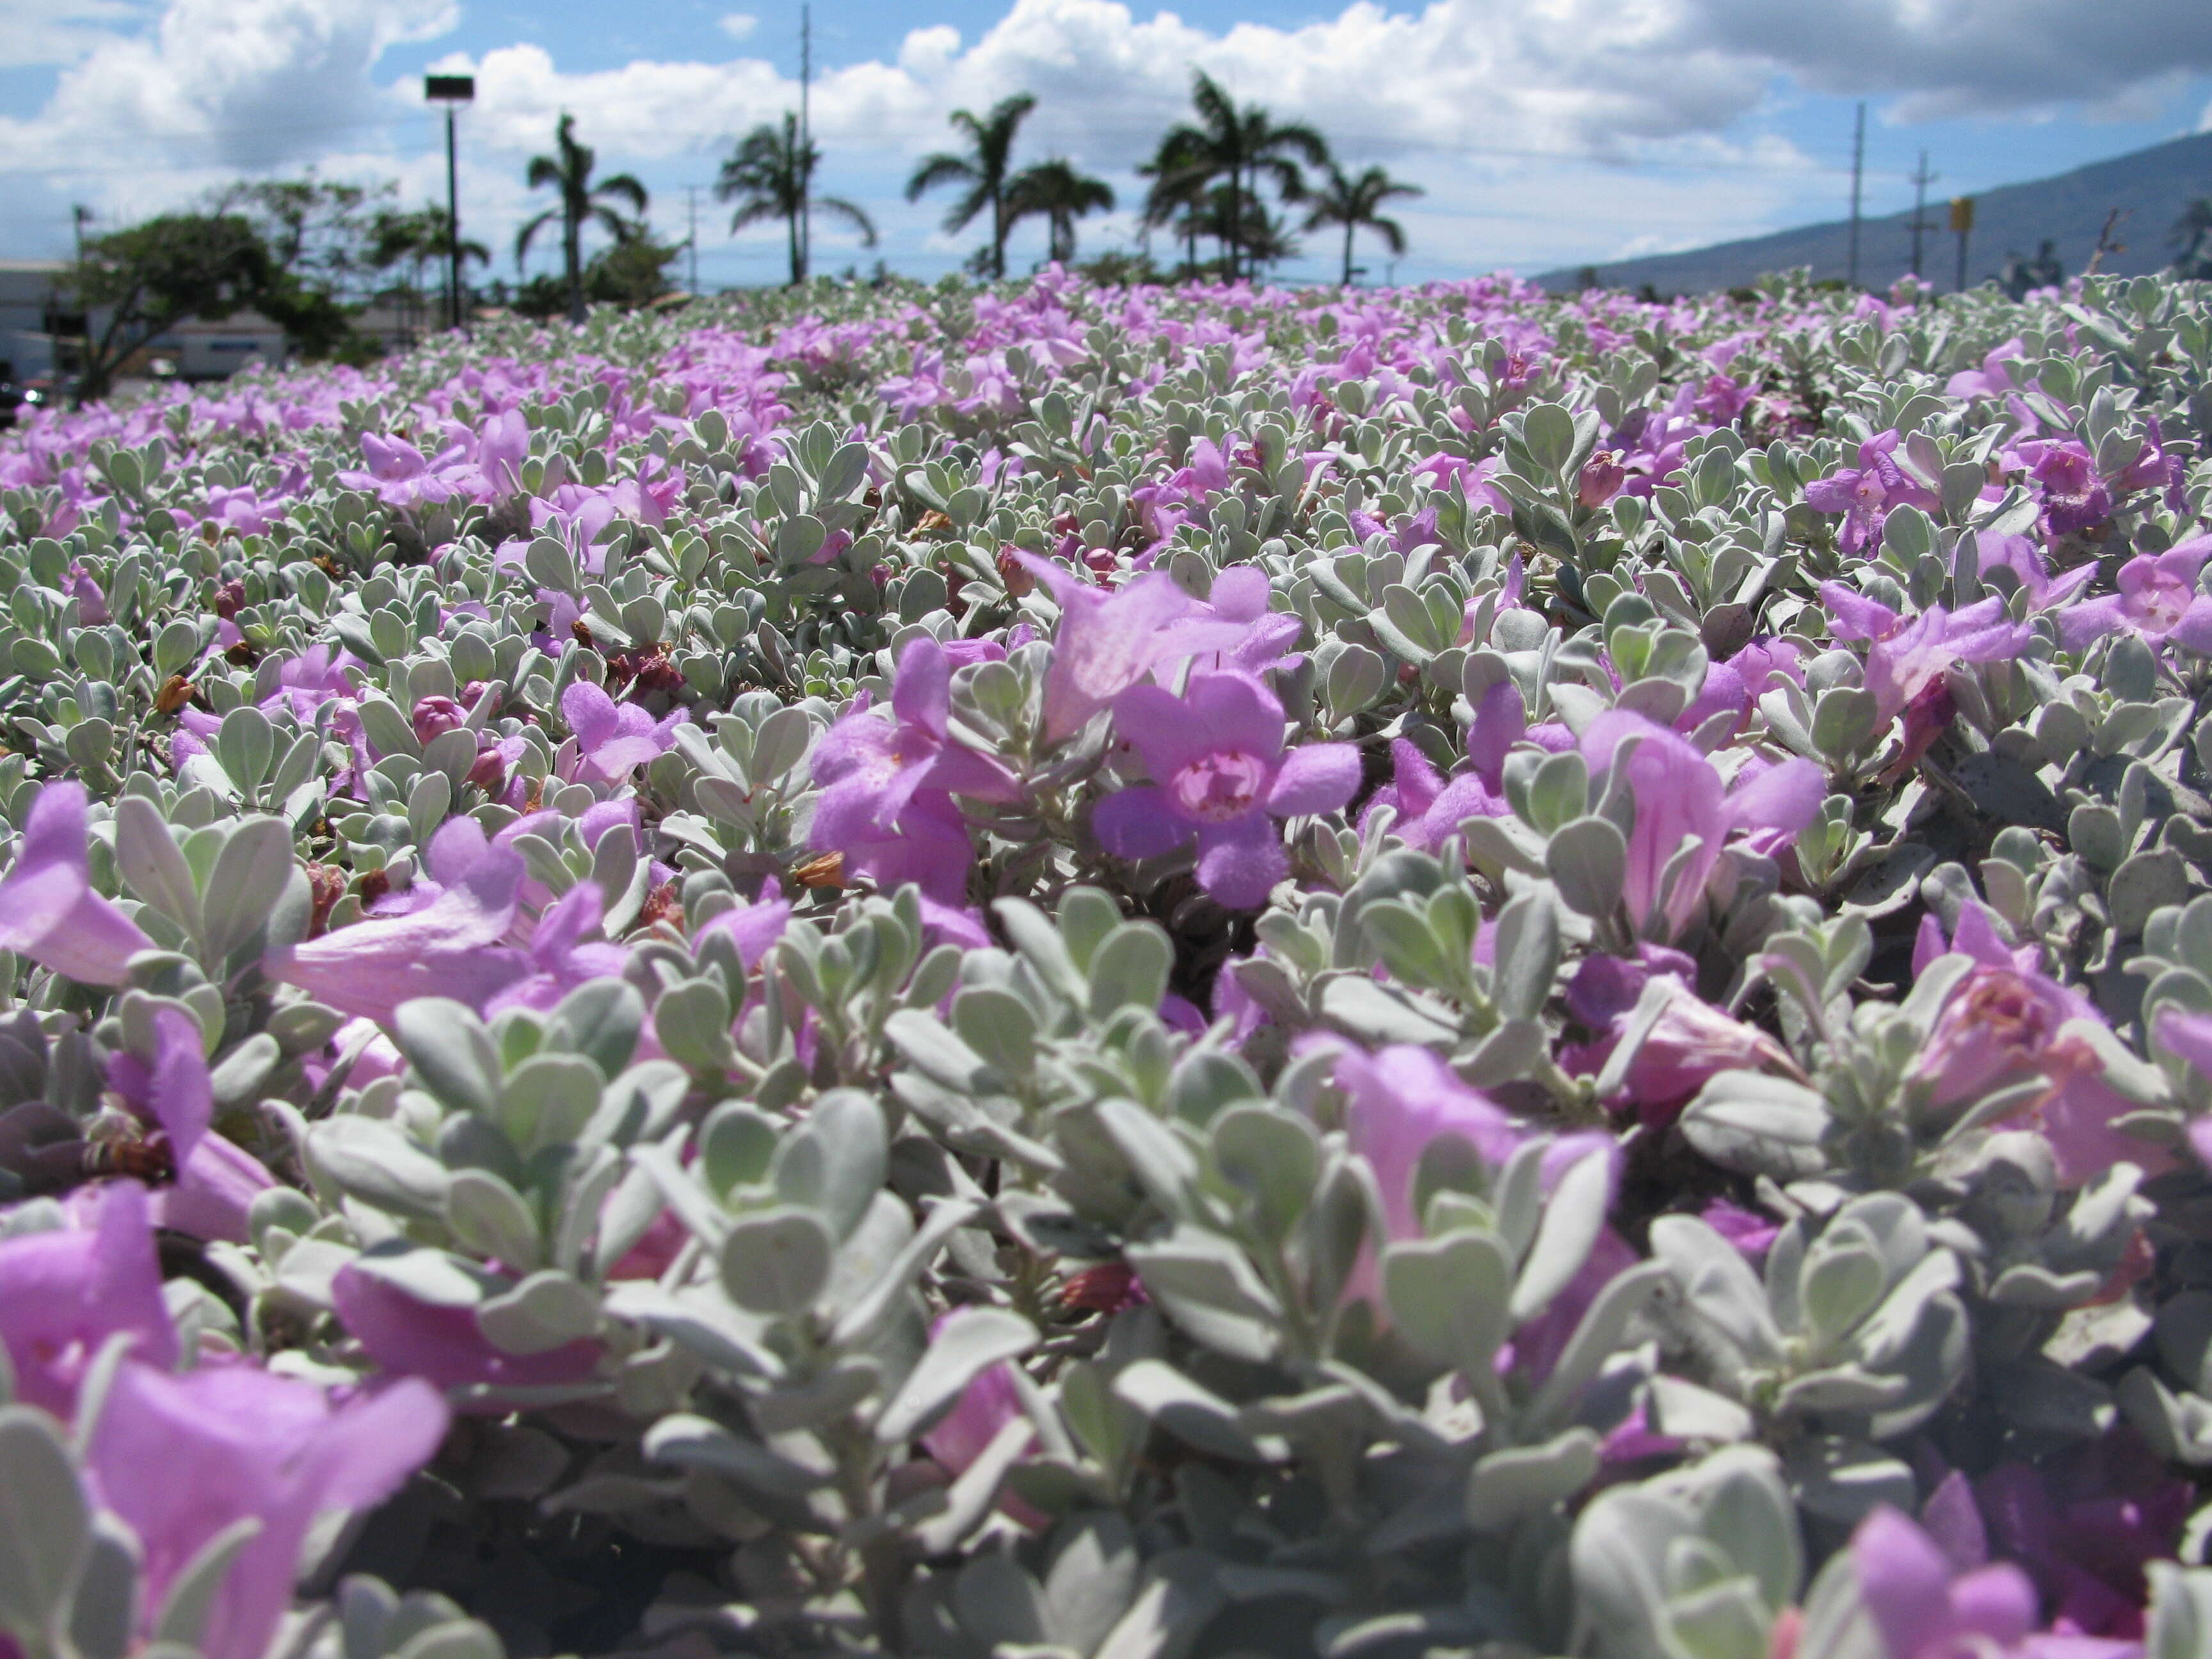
<point>2192,237</point>
<point>418,241</point>
<point>1235,148</point>
<point>568,170</point>
<point>1353,204</point>
<point>769,176</point>
<point>1178,188</point>
<point>321,230</point>
<point>152,276</point>
<point>1055,192</point>
<point>1252,237</point>
<point>985,172</point>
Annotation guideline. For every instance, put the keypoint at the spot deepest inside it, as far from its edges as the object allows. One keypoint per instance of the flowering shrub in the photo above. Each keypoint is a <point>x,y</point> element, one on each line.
<point>1099,973</point>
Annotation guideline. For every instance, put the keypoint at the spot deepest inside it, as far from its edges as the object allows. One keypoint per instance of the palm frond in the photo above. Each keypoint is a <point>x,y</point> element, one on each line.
<point>836,207</point>
<point>528,233</point>
<point>626,187</point>
<point>939,169</point>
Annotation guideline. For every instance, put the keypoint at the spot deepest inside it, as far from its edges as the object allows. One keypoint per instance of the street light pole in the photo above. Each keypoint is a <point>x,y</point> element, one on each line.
<point>451,90</point>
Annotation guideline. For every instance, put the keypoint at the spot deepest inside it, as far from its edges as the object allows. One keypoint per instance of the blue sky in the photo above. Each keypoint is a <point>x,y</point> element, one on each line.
<point>1546,132</point>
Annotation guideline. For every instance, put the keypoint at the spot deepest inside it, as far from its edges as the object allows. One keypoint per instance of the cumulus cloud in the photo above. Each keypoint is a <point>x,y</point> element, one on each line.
<point>237,84</point>
<point>37,32</point>
<point>737,25</point>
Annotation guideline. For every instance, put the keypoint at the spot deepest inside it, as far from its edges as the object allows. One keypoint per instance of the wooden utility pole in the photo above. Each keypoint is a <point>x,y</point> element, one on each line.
<point>1922,178</point>
<point>1858,170</point>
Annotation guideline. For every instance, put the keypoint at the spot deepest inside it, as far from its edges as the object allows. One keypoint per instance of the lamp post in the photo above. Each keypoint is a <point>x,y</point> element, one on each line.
<point>1962,226</point>
<point>451,90</point>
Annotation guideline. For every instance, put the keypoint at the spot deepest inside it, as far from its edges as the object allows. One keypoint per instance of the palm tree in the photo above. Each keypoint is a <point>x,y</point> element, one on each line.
<point>1178,185</point>
<point>768,177</point>
<point>983,170</point>
<point>417,239</point>
<point>1353,203</point>
<point>568,170</point>
<point>1237,147</point>
<point>1261,238</point>
<point>1055,192</point>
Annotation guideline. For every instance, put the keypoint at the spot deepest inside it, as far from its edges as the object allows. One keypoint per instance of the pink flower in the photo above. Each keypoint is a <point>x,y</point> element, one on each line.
<point>1907,654</point>
<point>181,1458</point>
<point>1220,773</point>
<point>1866,494</point>
<point>49,910</point>
<point>1678,794</point>
<point>1107,642</point>
<point>2158,599</point>
<point>614,739</point>
<point>64,1292</point>
<point>1690,1043</point>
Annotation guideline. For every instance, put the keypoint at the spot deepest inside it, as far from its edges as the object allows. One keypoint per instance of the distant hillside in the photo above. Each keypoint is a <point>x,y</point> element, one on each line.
<point>2152,184</point>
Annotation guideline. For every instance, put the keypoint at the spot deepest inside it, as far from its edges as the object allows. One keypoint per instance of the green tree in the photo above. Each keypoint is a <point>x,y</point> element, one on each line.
<point>1054,192</point>
<point>770,176</point>
<point>1355,203</point>
<point>420,241</point>
<point>569,171</point>
<point>1176,192</point>
<point>984,172</point>
<point>1251,235</point>
<point>151,277</point>
<point>1236,150</point>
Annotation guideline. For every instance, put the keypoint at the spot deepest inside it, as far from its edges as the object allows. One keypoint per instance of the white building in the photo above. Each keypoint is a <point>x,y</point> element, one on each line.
<point>31,316</point>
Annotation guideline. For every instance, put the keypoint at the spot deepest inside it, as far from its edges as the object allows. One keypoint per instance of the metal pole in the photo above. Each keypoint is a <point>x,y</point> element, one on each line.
<point>806,140</point>
<point>452,224</point>
<point>1962,261</point>
<point>1858,166</point>
<point>691,196</point>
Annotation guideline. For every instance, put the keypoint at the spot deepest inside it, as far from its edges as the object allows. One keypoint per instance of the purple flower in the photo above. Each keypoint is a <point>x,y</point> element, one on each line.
<point>2001,1025</point>
<point>443,1344</point>
<point>1923,1607</point>
<point>1692,1041</point>
<point>2074,495</point>
<point>2021,555</point>
<point>1864,494</point>
<point>214,1191</point>
<point>450,947</point>
<point>559,955</point>
<point>91,603</point>
<point>753,928</point>
<point>1907,654</point>
<point>181,1458</point>
<point>614,739</point>
<point>1992,379</point>
<point>871,770</point>
<point>1735,686</point>
<point>1219,772</point>
<point>49,910</point>
<point>1678,794</point>
<point>173,1088</point>
<point>503,443</point>
<point>2084,1522</point>
<point>1107,642</point>
<point>2158,599</point>
<point>64,1292</point>
<point>1428,808</point>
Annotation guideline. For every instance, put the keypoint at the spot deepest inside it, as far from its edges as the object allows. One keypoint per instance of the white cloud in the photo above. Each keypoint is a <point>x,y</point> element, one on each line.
<point>737,25</point>
<point>37,32</point>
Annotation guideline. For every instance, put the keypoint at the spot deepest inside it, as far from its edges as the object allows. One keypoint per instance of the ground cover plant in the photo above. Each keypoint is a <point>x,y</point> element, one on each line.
<point>1054,972</point>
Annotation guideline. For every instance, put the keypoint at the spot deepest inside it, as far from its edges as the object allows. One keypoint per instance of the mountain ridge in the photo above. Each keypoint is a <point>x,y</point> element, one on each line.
<point>2152,185</point>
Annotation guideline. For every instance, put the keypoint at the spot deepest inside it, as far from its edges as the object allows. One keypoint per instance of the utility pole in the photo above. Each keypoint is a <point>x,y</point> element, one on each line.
<point>691,196</point>
<point>80,216</point>
<point>452,91</point>
<point>1922,178</point>
<point>1858,169</point>
<point>806,158</point>
<point>1962,221</point>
